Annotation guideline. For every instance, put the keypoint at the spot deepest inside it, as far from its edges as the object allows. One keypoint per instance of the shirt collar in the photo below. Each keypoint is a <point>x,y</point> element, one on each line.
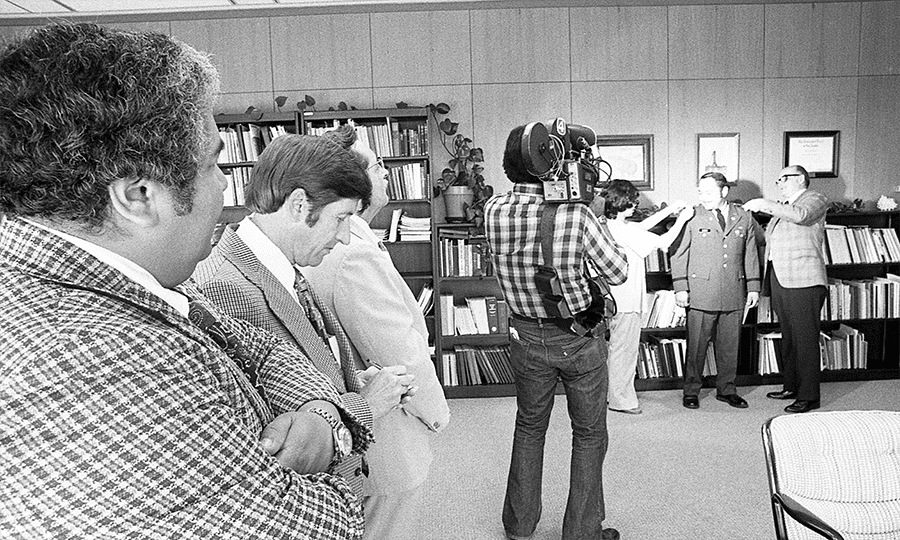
<point>268,254</point>
<point>793,198</point>
<point>132,270</point>
<point>529,189</point>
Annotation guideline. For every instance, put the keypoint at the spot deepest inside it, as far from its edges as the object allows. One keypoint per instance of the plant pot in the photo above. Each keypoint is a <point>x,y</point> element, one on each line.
<point>457,199</point>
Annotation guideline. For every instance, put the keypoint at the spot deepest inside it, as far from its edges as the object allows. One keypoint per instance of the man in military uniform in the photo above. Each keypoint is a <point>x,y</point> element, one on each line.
<point>715,273</point>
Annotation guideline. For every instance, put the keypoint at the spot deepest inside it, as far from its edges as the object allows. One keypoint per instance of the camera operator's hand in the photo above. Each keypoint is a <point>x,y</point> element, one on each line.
<point>682,299</point>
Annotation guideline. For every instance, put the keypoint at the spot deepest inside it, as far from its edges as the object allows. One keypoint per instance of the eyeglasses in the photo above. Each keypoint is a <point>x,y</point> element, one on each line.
<point>379,162</point>
<point>784,178</point>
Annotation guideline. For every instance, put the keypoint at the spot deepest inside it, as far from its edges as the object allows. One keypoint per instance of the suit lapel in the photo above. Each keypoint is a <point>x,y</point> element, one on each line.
<point>282,305</point>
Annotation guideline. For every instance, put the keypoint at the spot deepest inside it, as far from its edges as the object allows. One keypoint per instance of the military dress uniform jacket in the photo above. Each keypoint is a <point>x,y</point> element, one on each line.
<point>717,268</point>
<point>240,285</point>
<point>119,418</point>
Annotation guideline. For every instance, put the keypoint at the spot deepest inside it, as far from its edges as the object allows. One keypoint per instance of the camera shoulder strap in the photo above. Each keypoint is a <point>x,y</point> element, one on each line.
<point>548,222</point>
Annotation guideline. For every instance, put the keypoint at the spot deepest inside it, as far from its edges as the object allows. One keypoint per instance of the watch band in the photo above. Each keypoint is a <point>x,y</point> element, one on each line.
<point>332,421</point>
<point>340,435</point>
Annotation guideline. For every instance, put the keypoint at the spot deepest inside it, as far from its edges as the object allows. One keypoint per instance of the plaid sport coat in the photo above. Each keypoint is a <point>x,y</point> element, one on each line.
<point>795,239</point>
<point>241,286</point>
<point>121,419</point>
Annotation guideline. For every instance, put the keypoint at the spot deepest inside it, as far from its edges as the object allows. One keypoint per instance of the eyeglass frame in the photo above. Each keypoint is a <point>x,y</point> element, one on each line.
<point>379,162</point>
<point>783,178</point>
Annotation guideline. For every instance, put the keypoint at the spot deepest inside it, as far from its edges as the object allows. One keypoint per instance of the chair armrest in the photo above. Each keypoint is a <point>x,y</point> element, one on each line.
<point>806,518</point>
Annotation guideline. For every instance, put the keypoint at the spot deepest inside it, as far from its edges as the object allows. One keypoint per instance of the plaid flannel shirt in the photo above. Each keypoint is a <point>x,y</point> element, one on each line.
<point>582,245</point>
<point>121,419</point>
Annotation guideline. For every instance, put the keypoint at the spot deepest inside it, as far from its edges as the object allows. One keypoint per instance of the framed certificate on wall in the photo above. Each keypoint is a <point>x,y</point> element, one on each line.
<point>815,151</point>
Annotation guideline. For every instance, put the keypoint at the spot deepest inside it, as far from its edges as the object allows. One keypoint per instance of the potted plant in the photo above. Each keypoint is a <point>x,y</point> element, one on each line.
<point>461,183</point>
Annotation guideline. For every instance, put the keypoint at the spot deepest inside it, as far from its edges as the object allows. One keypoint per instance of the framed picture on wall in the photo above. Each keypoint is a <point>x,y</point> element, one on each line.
<point>630,157</point>
<point>719,152</point>
<point>815,151</point>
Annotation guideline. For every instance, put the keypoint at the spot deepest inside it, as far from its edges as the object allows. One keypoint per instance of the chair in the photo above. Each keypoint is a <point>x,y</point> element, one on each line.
<point>834,475</point>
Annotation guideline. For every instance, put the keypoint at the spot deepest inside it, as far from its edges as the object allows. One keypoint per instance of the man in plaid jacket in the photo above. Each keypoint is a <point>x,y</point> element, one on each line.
<point>795,275</point>
<point>129,407</point>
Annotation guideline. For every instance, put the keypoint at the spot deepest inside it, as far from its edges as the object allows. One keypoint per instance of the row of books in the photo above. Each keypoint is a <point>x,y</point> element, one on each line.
<point>842,348</point>
<point>658,261</point>
<point>462,257</point>
<point>408,181</point>
<point>665,358</point>
<point>237,180</point>
<point>388,139</point>
<point>662,311</point>
<point>245,142</point>
<point>407,228</point>
<point>466,366</point>
<point>479,315</point>
<point>853,245</point>
<point>873,298</point>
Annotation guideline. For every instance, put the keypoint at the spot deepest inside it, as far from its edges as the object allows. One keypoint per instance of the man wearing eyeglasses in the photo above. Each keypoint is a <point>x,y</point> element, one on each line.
<point>795,275</point>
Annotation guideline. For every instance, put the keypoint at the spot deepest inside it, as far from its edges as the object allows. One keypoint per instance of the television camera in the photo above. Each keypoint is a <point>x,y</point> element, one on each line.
<point>566,159</point>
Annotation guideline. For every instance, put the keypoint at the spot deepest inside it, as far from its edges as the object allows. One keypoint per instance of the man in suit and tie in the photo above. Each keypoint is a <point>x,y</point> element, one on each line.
<point>130,407</point>
<point>715,274</point>
<point>385,324</point>
<point>302,192</point>
<point>795,274</point>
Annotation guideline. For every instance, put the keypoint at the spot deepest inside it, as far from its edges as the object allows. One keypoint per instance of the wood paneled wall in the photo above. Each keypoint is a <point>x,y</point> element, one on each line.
<point>671,71</point>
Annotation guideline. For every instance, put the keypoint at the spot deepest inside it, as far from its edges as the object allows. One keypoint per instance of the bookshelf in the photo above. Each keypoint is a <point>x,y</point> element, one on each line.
<point>245,136</point>
<point>872,309</point>
<point>466,287</point>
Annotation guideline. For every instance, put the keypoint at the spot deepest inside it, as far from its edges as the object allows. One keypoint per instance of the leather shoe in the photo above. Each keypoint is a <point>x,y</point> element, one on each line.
<point>801,406</point>
<point>691,402</point>
<point>609,534</point>
<point>784,394</point>
<point>734,400</point>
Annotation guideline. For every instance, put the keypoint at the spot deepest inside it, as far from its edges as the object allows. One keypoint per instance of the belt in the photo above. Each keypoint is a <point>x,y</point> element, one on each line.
<point>567,325</point>
<point>559,322</point>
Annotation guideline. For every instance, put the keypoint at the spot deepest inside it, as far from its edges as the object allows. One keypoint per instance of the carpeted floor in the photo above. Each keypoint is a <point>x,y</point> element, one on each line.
<point>670,473</point>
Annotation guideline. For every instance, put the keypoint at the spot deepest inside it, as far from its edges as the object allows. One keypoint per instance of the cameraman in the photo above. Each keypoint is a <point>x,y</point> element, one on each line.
<point>544,349</point>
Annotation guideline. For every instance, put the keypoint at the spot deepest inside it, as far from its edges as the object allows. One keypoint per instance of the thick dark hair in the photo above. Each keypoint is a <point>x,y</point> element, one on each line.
<point>620,195</point>
<point>82,105</point>
<point>720,179</point>
<point>513,162</point>
<point>324,170</point>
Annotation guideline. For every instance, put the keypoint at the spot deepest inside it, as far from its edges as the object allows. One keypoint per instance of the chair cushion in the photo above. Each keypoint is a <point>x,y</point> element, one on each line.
<point>844,466</point>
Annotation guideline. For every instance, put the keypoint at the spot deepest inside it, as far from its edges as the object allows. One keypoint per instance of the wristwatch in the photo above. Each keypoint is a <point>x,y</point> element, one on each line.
<point>341,437</point>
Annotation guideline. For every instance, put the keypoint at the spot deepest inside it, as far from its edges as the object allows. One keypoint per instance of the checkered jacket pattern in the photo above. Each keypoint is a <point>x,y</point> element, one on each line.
<point>238,283</point>
<point>121,419</point>
<point>795,240</point>
<point>581,243</point>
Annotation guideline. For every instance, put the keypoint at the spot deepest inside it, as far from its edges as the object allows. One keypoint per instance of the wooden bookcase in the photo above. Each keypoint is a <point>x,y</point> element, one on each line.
<point>881,333</point>
<point>237,159</point>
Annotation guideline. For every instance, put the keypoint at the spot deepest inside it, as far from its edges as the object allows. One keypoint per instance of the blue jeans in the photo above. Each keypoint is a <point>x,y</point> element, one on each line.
<point>541,355</point>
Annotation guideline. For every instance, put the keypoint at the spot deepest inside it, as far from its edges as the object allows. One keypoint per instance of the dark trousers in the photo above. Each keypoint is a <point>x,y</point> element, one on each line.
<point>725,328</point>
<point>799,315</point>
<point>540,356</point>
